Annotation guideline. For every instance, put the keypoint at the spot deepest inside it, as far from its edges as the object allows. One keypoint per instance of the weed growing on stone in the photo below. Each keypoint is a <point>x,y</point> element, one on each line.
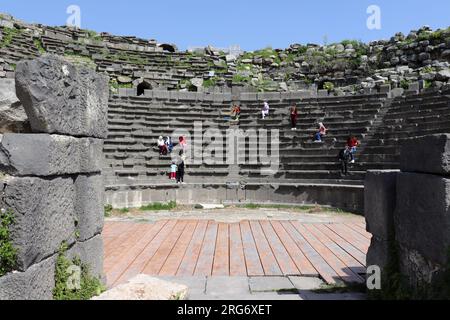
<point>159,206</point>
<point>108,210</point>
<point>8,35</point>
<point>39,46</point>
<point>8,253</point>
<point>80,60</point>
<point>208,83</point>
<point>124,210</point>
<point>90,286</point>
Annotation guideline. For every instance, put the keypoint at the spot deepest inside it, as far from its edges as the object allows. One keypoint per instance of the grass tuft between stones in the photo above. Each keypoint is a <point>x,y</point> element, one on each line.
<point>8,254</point>
<point>157,206</point>
<point>89,286</point>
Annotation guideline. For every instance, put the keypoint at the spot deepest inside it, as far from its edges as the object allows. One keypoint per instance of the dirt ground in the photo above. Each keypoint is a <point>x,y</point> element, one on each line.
<point>234,214</point>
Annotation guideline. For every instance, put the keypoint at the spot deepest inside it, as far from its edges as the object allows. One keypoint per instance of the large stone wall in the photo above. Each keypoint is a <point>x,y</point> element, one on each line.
<point>408,213</point>
<point>51,178</point>
<point>346,197</point>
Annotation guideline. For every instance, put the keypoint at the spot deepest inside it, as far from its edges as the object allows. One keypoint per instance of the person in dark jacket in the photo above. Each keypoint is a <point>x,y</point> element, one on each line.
<point>180,171</point>
<point>344,156</point>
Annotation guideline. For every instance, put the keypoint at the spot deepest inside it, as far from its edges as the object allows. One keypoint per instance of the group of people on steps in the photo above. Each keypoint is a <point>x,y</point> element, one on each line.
<point>177,168</point>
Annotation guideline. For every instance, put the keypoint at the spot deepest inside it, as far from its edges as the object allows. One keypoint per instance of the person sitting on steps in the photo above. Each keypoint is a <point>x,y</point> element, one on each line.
<point>236,112</point>
<point>318,138</point>
<point>294,117</point>
<point>169,144</point>
<point>265,110</point>
<point>162,146</point>
<point>322,129</point>
<point>352,144</point>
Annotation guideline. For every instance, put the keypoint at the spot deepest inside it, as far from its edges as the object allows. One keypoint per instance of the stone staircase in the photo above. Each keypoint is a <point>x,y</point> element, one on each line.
<point>380,123</point>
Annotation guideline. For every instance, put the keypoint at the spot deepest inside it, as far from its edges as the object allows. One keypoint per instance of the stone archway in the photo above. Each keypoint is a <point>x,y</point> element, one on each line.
<point>142,86</point>
<point>168,47</point>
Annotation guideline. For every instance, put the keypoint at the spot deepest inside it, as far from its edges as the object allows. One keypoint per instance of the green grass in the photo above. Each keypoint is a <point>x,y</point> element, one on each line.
<point>114,84</point>
<point>94,35</point>
<point>428,69</point>
<point>404,84</point>
<point>428,84</point>
<point>157,206</point>
<point>208,83</point>
<point>90,286</point>
<point>237,78</point>
<point>8,36</point>
<point>39,46</point>
<point>80,60</point>
<point>108,210</point>
<point>328,86</point>
<point>8,254</point>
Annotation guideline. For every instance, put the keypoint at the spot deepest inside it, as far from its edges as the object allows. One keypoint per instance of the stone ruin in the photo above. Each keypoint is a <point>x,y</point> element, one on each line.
<point>407,212</point>
<point>52,148</point>
<point>348,67</point>
<point>51,177</point>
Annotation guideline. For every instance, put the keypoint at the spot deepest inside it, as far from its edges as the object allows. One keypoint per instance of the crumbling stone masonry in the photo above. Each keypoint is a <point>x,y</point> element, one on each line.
<point>52,177</point>
<point>408,213</point>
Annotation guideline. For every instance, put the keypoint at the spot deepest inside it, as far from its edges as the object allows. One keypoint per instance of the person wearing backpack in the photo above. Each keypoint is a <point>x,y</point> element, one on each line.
<point>344,156</point>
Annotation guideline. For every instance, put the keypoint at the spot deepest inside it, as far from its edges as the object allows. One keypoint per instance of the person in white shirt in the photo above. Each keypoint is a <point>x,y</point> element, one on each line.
<point>265,110</point>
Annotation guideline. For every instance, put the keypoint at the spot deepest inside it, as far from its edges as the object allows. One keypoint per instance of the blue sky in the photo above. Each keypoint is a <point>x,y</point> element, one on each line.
<point>252,24</point>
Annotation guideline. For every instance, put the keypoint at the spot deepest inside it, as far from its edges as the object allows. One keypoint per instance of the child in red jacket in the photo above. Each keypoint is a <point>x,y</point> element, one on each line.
<point>352,144</point>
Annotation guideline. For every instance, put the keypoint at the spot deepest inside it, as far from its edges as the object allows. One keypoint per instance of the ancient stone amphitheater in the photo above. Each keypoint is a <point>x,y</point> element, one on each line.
<point>383,93</point>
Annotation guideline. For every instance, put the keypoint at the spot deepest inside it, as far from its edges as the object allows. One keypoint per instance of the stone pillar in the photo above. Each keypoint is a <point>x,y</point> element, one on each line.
<point>422,216</point>
<point>52,178</point>
<point>379,206</point>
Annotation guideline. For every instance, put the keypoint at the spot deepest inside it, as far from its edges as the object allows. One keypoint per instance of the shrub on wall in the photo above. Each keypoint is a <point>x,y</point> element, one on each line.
<point>8,253</point>
<point>88,285</point>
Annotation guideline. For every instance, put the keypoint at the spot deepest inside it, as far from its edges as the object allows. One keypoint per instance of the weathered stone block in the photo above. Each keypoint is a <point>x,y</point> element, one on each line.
<point>379,253</point>
<point>144,287</point>
<point>12,114</point>
<point>249,96</point>
<point>36,283</point>
<point>379,202</point>
<point>322,93</point>
<point>61,98</point>
<point>44,216</point>
<point>422,215</point>
<point>417,269</point>
<point>429,154</point>
<point>269,96</point>
<point>91,254</point>
<point>49,155</point>
<point>89,201</point>
<point>385,88</point>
